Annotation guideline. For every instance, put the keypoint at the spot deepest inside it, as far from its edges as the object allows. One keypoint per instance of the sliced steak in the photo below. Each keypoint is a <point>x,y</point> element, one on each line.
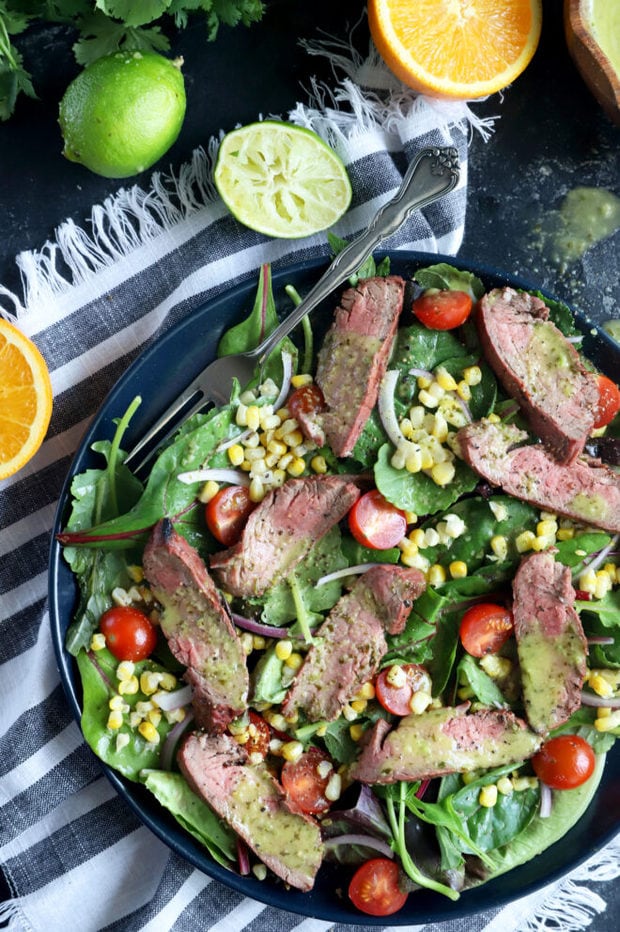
<point>253,803</point>
<point>538,367</point>
<point>197,625</point>
<point>551,645</point>
<point>443,740</point>
<point>281,530</point>
<point>587,490</point>
<point>354,357</point>
<point>351,641</point>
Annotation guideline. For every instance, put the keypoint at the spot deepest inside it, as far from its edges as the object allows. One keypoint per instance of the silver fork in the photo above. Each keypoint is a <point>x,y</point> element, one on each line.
<point>433,173</point>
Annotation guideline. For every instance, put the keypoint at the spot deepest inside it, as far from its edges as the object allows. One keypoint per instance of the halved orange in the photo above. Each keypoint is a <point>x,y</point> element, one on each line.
<point>25,399</point>
<point>459,49</point>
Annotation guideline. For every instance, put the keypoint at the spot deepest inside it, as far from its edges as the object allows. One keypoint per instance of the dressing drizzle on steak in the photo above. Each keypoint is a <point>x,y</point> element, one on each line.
<point>587,490</point>
<point>351,642</point>
<point>540,369</point>
<point>197,625</point>
<point>280,532</point>
<point>354,357</point>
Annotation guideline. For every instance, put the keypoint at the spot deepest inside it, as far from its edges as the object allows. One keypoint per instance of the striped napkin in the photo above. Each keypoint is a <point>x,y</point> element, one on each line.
<point>72,853</point>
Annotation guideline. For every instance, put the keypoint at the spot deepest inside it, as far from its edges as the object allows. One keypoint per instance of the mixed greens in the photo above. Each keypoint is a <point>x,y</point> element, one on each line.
<point>466,537</point>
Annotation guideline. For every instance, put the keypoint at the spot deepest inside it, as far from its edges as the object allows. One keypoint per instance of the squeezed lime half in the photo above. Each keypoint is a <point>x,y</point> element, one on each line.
<point>282,180</point>
<point>123,112</point>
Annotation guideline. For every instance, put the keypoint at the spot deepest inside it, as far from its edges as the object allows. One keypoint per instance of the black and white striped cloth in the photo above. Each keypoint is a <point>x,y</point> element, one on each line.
<point>72,853</point>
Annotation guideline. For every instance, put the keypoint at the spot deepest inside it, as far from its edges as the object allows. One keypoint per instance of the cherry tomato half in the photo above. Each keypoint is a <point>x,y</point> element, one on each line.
<point>374,888</point>
<point>485,628</point>
<point>564,762</point>
<point>305,782</point>
<point>376,523</point>
<point>305,400</point>
<point>395,697</point>
<point>227,512</point>
<point>442,310</point>
<point>608,402</point>
<point>128,632</point>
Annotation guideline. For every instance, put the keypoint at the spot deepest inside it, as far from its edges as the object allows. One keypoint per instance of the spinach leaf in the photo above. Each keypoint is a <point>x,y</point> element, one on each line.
<point>174,794</point>
<point>266,685</point>
<point>471,674</point>
<point>416,491</point>
<point>444,276</point>
<point>576,550</point>
<point>369,269</point>
<point>601,618</point>
<point>98,675</point>
<point>414,643</point>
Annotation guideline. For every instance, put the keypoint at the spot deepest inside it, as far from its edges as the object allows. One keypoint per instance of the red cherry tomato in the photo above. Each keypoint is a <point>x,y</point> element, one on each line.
<point>227,512</point>
<point>485,628</point>
<point>260,735</point>
<point>608,402</point>
<point>128,632</point>
<point>305,783</point>
<point>376,523</point>
<point>564,762</point>
<point>374,888</point>
<point>305,400</point>
<point>397,698</point>
<point>442,310</point>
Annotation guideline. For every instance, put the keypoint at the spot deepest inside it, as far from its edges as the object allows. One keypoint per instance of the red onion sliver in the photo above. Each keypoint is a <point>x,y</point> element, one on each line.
<point>287,371</point>
<point>255,627</point>
<point>387,413</point>
<point>600,702</point>
<point>243,857</point>
<point>172,739</point>
<point>368,841</point>
<point>546,801</point>
<point>231,476</point>
<point>347,571</point>
<point>168,701</point>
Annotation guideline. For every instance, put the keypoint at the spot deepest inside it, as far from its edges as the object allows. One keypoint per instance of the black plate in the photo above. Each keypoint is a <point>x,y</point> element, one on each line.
<point>181,353</point>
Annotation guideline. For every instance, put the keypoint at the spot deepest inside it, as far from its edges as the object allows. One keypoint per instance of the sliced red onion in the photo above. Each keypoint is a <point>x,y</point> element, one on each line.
<point>347,571</point>
<point>368,841</point>
<point>424,785</point>
<point>546,801</point>
<point>287,372</point>
<point>166,756</point>
<point>422,373</point>
<point>255,627</point>
<point>169,701</point>
<point>231,476</point>
<point>598,558</point>
<point>386,407</point>
<point>601,640</point>
<point>600,702</point>
<point>243,857</point>
<point>238,438</point>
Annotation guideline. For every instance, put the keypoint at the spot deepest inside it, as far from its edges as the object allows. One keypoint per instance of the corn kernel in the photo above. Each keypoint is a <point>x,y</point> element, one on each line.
<point>416,416</point>
<point>499,546</point>
<point>125,670</point>
<point>417,537</point>
<point>334,788</point>
<point>495,666</point>
<point>408,547</point>
<point>396,676</point>
<point>424,381</point>
<point>97,642</point>
<point>292,750</point>
<point>236,454</point>
<point>116,704</point>
<point>428,400</point>
<point>149,732</point>
<point>349,713</point>
<point>458,569</point>
<point>608,722</point>
<point>488,796</point>
<point>463,390</point>
<point>302,379</point>
<point>318,464</point>
<point>294,660</point>
<point>175,715</point>
<point>359,705</point>
<point>256,491</point>
<point>294,439</point>
<point>565,533</point>
<point>275,719</point>
<point>469,777</point>
<point>120,596</point>
<point>168,681</point>
<point>115,720</point>
<point>149,682</point>
<point>285,460</point>
<point>258,642</point>
<point>524,541</point>
<point>129,687</point>
<point>415,560</point>
<point>587,581</point>
<point>443,473</point>
<point>524,783</point>
<point>367,691</point>
<point>284,649</point>
<point>122,740</point>
<point>445,379</point>
<point>154,717</point>
<point>259,871</point>
<point>420,701</point>
<point>241,415</point>
<point>472,375</point>
<point>247,643</point>
<point>436,575</point>
<point>297,467</point>
<point>505,786</point>
<point>600,685</point>
<point>356,731</point>
<point>253,417</point>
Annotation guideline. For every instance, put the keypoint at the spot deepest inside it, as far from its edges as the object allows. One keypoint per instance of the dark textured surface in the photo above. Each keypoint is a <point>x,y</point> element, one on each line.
<point>550,137</point>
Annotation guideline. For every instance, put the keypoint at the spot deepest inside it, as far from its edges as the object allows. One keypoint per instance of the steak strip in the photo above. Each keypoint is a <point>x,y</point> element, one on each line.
<point>354,357</point>
<point>443,740</point>
<point>538,366</point>
<point>587,490</point>
<point>351,641</point>
<point>281,530</point>
<point>197,625</point>
<point>551,645</point>
<point>250,800</point>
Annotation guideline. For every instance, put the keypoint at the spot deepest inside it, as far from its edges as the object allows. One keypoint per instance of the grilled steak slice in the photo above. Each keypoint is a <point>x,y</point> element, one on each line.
<point>197,625</point>
<point>351,642</point>
<point>551,645</point>
<point>443,740</point>
<point>281,530</point>
<point>540,369</point>
<point>354,357</point>
<point>587,490</point>
<point>252,802</point>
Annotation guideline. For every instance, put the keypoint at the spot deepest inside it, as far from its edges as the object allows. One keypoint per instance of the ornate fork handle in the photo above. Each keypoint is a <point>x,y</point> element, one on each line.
<point>433,173</point>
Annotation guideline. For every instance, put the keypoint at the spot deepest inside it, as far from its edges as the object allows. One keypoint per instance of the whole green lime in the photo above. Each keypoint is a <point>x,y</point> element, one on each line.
<point>123,112</point>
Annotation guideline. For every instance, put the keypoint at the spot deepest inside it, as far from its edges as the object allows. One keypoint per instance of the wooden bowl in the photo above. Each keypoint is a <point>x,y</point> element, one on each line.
<point>597,70</point>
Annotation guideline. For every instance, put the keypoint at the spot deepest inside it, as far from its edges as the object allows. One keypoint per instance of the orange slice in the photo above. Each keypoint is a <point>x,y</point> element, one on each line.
<point>458,49</point>
<point>25,399</point>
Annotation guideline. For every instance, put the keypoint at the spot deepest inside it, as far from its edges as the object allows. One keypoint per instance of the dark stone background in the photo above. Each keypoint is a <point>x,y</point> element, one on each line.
<point>550,136</point>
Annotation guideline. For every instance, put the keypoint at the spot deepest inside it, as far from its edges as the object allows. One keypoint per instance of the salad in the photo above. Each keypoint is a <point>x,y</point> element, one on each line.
<point>368,611</point>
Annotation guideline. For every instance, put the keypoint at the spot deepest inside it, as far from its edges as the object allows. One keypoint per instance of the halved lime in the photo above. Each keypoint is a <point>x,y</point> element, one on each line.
<point>281,180</point>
